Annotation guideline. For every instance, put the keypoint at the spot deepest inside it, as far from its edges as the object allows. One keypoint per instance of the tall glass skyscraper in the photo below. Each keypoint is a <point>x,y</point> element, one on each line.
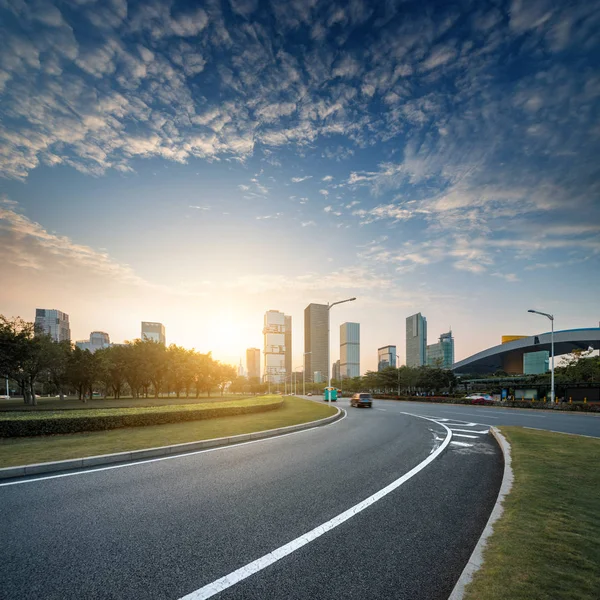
<point>441,355</point>
<point>54,323</point>
<point>386,357</point>
<point>154,331</point>
<point>416,341</point>
<point>274,347</point>
<point>316,341</point>
<point>350,350</point>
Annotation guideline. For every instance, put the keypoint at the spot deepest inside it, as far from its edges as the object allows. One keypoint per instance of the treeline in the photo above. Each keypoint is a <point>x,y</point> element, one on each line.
<point>35,361</point>
<point>403,381</point>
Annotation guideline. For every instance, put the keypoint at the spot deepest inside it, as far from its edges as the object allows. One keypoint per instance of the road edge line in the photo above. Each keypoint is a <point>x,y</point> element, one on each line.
<point>475,561</point>
<point>171,451</point>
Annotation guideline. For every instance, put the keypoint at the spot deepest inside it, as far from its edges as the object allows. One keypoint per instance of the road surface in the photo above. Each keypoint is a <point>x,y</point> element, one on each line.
<point>172,529</point>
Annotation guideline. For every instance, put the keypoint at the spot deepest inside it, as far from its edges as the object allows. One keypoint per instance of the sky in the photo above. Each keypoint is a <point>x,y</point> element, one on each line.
<point>199,163</point>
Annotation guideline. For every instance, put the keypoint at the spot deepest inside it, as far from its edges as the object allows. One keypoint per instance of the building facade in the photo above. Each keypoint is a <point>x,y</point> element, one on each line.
<point>386,357</point>
<point>536,363</point>
<point>316,341</point>
<point>350,350</point>
<point>153,331</point>
<point>335,370</point>
<point>54,323</point>
<point>98,340</point>
<point>416,341</point>
<point>253,363</point>
<point>288,346</point>
<point>441,355</point>
<point>274,347</point>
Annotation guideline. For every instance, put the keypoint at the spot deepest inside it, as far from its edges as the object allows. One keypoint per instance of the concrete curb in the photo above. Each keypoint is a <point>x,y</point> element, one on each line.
<point>105,459</point>
<point>476,559</point>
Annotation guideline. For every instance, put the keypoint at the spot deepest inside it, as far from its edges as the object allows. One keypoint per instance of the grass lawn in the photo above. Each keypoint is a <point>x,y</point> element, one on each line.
<point>20,451</point>
<point>74,403</point>
<point>101,412</point>
<point>546,545</point>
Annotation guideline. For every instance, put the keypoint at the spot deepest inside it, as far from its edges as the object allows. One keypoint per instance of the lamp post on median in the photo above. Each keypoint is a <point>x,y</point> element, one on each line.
<point>296,380</point>
<point>551,317</point>
<point>329,307</point>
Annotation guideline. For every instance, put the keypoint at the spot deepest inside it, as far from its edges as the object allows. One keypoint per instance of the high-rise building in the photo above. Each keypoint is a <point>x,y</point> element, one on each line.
<point>350,350</point>
<point>416,341</point>
<point>98,340</point>
<point>335,370</point>
<point>441,355</point>
<point>386,357</point>
<point>253,363</point>
<point>316,341</point>
<point>536,363</point>
<point>53,323</point>
<point>153,331</point>
<point>288,346</point>
<point>274,347</point>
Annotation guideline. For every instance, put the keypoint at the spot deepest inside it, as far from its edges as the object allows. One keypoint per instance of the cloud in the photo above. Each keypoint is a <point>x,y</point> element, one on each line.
<point>307,223</point>
<point>299,179</point>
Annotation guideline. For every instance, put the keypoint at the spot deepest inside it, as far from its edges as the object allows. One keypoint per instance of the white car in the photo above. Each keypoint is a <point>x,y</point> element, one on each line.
<point>4,397</point>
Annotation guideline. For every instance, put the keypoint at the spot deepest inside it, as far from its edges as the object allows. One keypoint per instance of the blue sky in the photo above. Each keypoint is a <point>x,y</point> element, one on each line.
<point>199,163</point>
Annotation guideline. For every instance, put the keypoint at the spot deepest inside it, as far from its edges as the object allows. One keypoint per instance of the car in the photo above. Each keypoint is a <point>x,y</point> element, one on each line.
<point>362,400</point>
<point>4,397</point>
<point>480,399</point>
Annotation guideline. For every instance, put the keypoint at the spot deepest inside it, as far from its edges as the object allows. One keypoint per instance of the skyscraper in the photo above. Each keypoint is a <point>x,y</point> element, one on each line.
<point>153,331</point>
<point>441,355</point>
<point>416,341</point>
<point>97,341</point>
<point>386,357</point>
<point>274,347</point>
<point>288,346</point>
<point>316,341</point>
<point>335,370</point>
<point>54,323</point>
<point>350,350</point>
<point>253,363</point>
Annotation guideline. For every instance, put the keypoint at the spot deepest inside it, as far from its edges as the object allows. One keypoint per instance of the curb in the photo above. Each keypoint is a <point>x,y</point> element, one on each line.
<point>476,559</point>
<point>119,457</point>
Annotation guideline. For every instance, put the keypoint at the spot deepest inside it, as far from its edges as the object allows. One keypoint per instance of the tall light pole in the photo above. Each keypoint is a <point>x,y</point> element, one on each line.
<point>329,307</point>
<point>304,373</point>
<point>551,317</point>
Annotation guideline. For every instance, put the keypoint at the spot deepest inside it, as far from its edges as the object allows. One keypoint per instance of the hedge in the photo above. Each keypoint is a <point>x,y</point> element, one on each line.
<point>66,424</point>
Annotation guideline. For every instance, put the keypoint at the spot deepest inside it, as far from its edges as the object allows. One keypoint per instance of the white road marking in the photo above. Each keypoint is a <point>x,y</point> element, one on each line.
<point>468,430</point>
<point>87,471</point>
<point>463,444</point>
<point>473,437</point>
<point>461,424</point>
<point>261,563</point>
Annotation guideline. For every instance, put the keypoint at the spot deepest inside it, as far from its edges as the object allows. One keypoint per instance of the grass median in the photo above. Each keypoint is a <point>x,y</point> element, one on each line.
<point>546,545</point>
<point>21,451</point>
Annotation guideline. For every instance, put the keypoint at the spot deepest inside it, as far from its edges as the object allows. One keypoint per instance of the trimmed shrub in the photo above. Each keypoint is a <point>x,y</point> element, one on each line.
<point>51,426</point>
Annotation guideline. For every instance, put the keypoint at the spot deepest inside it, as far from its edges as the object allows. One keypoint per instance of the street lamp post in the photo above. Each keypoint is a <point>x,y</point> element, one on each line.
<point>329,307</point>
<point>304,373</point>
<point>398,371</point>
<point>551,317</point>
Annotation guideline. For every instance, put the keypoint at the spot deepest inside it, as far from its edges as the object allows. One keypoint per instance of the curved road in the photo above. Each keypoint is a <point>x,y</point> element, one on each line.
<point>170,529</point>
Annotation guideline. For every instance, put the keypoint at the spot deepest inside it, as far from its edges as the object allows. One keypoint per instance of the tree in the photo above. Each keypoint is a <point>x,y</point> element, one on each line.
<point>224,374</point>
<point>83,371</point>
<point>59,354</point>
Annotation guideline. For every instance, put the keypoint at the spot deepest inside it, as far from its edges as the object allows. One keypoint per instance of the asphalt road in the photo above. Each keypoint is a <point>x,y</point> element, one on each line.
<point>552,420</point>
<point>163,529</point>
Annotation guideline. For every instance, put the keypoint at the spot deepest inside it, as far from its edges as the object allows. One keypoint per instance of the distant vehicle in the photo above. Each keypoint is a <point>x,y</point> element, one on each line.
<point>480,399</point>
<point>309,394</point>
<point>4,397</point>
<point>362,400</point>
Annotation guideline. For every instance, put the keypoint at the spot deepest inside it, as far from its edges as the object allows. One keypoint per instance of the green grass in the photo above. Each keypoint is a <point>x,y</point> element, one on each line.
<point>106,412</point>
<point>17,404</point>
<point>546,546</point>
<point>20,451</point>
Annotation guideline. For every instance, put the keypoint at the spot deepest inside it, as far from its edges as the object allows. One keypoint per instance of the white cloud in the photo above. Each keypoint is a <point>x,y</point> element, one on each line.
<point>299,179</point>
<point>327,178</point>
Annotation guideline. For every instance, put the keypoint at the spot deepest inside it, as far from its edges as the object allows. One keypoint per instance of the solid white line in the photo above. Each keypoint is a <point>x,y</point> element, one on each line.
<point>261,563</point>
<point>90,470</point>
<point>464,444</point>
<point>461,424</point>
<point>468,430</point>
<point>593,437</point>
<point>473,437</point>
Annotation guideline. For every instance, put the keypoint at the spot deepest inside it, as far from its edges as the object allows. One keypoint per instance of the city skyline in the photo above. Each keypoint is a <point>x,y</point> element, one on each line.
<point>198,165</point>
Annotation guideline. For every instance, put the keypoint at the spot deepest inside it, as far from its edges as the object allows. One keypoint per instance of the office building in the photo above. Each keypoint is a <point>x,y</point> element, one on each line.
<point>350,350</point>
<point>153,331</point>
<point>98,340</point>
<point>274,347</point>
<point>536,363</point>
<point>441,355</point>
<point>386,357</point>
<point>288,346</point>
<point>335,370</point>
<point>53,323</point>
<point>253,363</point>
<point>316,341</point>
<point>416,341</point>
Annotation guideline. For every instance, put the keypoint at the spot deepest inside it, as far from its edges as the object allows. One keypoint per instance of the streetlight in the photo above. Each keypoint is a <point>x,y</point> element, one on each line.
<point>551,317</point>
<point>304,373</point>
<point>329,307</point>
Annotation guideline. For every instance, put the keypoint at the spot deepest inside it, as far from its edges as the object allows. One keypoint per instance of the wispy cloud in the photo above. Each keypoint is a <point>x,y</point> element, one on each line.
<point>299,179</point>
